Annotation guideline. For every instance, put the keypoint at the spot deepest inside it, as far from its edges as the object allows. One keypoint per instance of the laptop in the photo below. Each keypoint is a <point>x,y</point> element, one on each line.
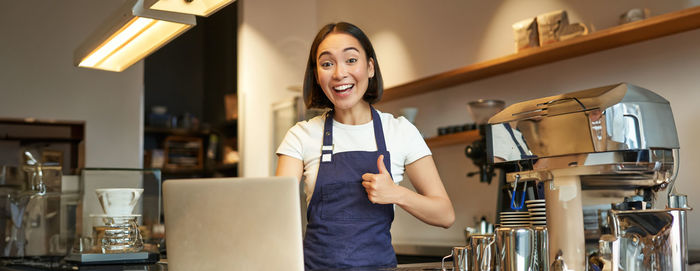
<point>233,224</point>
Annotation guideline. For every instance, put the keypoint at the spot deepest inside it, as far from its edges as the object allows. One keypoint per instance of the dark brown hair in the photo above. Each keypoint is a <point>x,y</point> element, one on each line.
<point>313,94</point>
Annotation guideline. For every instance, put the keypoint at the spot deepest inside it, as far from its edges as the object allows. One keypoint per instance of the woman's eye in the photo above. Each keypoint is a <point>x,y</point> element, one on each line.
<point>326,64</point>
<point>352,60</point>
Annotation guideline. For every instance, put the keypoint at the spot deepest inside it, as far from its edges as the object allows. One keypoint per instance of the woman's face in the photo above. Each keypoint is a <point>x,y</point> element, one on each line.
<point>343,70</point>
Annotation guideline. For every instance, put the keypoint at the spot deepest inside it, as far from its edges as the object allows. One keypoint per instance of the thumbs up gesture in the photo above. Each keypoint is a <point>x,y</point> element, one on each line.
<point>380,187</point>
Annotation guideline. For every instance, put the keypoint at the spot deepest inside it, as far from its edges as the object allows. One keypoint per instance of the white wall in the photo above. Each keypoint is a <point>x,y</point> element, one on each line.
<point>37,77</point>
<point>273,41</point>
<point>417,38</point>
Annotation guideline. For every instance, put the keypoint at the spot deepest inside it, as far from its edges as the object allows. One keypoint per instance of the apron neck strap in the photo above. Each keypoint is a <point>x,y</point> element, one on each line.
<point>378,132</point>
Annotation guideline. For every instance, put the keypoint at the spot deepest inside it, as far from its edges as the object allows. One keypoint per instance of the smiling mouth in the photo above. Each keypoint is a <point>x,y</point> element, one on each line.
<point>343,88</point>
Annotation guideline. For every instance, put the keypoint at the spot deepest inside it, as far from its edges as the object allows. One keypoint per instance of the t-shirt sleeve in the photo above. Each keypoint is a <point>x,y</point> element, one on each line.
<point>291,144</point>
<point>502,144</point>
<point>411,137</point>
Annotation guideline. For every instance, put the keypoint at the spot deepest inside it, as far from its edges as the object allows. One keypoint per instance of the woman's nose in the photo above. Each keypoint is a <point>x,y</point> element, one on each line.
<point>340,72</point>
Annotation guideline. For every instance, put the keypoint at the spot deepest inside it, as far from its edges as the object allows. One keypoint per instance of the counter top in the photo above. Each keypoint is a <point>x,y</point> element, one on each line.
<point>163,266</point>
<point>694,261</point>
<point>433,266</point>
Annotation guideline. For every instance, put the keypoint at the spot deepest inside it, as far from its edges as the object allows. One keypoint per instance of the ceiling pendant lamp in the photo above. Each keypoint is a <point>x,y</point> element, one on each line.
<point>196,7</point>
<point>131,34</point>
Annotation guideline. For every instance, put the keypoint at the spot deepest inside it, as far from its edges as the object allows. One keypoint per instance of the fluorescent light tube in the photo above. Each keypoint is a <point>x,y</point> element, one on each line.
<point>196,7</point>
<point>130,35</point>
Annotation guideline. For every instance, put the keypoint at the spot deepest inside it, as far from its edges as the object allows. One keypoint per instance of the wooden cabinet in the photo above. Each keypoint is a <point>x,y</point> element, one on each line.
<point>55,142</point>
<point>188,153</point>
<point>183,152</point>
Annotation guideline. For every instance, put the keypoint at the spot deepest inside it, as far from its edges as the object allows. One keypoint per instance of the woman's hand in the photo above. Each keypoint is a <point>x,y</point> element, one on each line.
<point>380,188</point>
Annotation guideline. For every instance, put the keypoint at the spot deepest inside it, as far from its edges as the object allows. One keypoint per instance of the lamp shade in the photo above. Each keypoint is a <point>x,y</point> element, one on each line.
<point>130,35</point>
<point>196,7</point>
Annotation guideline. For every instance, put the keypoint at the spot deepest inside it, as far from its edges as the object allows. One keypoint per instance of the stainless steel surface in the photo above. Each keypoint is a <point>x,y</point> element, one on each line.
<point>36,219</point>
<point>541,256</point>
<point>483,252</point>
<point>611,118</point>
<point>623,169</point>
<point>460,257</point>
<point>649,240</point>
<point>678,201</point>
<point>515,247</point>
<point>603,155</point>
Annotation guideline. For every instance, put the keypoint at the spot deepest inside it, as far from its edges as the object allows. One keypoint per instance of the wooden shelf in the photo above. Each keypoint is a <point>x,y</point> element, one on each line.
<point>444,140</point>
<point>185,170</point>
<point>175,131</point>
<point>216,168</point>
<point>43,139</point>
<point>651,28</point>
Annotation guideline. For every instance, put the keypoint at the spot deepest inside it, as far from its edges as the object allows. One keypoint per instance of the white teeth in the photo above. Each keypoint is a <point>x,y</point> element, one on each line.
<point>343,87</point>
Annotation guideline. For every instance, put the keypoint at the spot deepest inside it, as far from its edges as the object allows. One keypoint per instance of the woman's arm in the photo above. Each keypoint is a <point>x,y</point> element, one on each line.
<point>430,204</point>
<point>289,166</point>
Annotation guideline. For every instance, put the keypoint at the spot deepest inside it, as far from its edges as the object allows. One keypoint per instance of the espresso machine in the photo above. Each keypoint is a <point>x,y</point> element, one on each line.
<point>589,170</point>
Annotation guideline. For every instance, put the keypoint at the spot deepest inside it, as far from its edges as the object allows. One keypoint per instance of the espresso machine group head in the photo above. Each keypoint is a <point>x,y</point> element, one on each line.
<point>600,156</point>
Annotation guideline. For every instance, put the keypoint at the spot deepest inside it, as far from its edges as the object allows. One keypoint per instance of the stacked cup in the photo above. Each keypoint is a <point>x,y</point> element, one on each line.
<point>537,212</point>
<point>515,219</point>
<point>117,231</point>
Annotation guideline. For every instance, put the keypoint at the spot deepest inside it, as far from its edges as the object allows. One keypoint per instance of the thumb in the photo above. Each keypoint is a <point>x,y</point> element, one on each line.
<point>380,164</point>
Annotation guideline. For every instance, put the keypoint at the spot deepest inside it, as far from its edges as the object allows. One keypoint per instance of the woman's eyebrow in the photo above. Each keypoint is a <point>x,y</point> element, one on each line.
<point>323,53</point>
<point>351,48</point>
<point>344,50</point>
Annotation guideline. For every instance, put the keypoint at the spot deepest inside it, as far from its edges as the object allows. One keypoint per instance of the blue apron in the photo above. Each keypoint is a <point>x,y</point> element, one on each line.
<point>344,228</point>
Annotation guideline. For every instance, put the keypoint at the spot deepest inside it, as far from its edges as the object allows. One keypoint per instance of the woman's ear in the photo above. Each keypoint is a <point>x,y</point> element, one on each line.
<point>370,67</point>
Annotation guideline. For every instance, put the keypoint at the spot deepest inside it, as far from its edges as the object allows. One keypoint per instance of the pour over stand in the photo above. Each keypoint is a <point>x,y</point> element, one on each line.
<point>123,227</point>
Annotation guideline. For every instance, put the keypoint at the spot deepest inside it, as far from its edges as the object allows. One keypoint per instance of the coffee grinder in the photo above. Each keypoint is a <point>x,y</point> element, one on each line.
<point>480,111</point>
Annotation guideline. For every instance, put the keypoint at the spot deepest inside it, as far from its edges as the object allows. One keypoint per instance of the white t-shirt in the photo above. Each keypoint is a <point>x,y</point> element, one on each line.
<point>504,147</point>
<point>403,141</point>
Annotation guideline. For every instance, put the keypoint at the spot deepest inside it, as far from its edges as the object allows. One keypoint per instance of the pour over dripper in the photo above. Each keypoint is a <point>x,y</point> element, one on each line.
<point>118,201</point>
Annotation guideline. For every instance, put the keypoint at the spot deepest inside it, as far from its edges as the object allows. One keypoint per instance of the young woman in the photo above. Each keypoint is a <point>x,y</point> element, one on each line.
<point>353,157</point>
